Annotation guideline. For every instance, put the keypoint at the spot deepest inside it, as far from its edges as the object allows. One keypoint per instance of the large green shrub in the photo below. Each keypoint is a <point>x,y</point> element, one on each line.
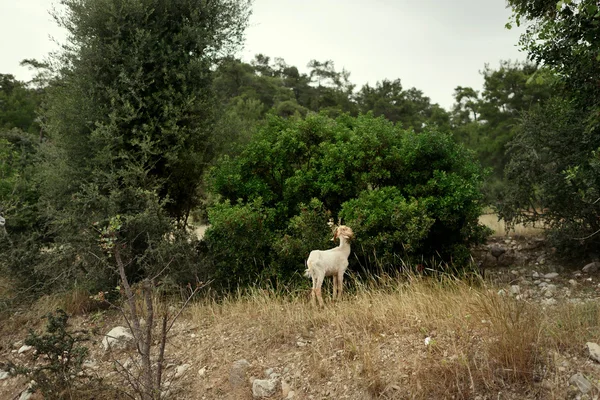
<point>407,194</point>
<point>388,228</point>
<point>307,231</point>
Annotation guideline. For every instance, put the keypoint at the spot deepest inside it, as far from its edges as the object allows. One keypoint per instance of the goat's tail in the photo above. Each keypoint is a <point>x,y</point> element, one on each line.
<point>308,272</point>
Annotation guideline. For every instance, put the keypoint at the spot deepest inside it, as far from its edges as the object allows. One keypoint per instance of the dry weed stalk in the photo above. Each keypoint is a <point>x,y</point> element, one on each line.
<point>148,383</point>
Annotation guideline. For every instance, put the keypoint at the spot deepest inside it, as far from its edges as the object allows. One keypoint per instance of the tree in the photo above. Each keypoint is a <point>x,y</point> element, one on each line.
<point>18,104</point>
<point>129,119</point>
<point>553,171</point>
<point>407,107</point>
<point>487,121</point>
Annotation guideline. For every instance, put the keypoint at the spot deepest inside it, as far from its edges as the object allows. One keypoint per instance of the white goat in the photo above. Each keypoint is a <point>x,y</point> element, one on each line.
<point>332,262</point>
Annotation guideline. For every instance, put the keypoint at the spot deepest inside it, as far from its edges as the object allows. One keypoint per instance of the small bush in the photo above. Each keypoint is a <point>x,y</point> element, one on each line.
<point>239,241</point>
<point>60,375</point>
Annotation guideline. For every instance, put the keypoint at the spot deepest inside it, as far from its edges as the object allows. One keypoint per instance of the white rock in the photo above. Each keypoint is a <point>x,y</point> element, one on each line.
<point>515,290</point>
<point>24,349</point>
<point>594,350</point>
<point>427,341</point>
<point>181,369</point>
<point>25,395</point>
<point>3,375</point>
<point>119,338</point>
<point>581,382</point>
<point>291,395</point>
<point>535,274</point>
<point>591,267</point>
<point>551,275</point>
<point>264,387</point>
<point>572,282</point>
<point>202,372</point>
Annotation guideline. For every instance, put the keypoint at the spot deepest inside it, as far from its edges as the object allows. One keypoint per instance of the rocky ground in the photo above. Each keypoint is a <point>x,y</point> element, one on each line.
<point>524,267</point>
<point>208,360</point>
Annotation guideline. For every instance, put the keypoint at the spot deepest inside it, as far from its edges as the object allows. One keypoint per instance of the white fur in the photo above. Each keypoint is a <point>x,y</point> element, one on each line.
<point>332,262</point>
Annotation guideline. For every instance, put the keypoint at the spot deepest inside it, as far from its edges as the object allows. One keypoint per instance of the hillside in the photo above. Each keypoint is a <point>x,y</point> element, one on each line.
<point>520,334</point>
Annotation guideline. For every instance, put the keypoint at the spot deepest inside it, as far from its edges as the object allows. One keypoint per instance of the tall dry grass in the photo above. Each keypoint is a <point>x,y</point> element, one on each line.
<point>480,342</point>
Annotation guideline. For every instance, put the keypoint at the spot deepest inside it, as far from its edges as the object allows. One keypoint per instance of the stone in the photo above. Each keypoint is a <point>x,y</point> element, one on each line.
<point>237,374</point>
<point>581,382</point>
<point>3,375</point>
<point>25,395</point>
<point>497,250</point>
<point>291,394</point>
<point>119,338</point>
<point>515,290</point>
<point>285,389</point>
<point>180,370</point>
<point>572,282</point>
<point>594,350</point>
<point>551,275</point>
<point>535,275</point>
<point>264,387</point>
<point>202,372</point>
<point>24,349</point>
<point>591,267</point>
<point>548,302</point>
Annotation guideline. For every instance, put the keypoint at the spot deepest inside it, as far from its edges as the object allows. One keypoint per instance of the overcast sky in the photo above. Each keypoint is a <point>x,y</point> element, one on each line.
<point>433,45</point>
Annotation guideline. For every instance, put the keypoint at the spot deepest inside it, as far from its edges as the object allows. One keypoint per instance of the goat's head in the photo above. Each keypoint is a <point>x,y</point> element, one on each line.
<point>343,231</point>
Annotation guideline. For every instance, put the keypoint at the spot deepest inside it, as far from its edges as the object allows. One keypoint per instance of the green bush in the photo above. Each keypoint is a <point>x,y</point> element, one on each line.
<point>387,227</point>
<point>239,241</point>
<point>407,194</point>
<point>305,232</point>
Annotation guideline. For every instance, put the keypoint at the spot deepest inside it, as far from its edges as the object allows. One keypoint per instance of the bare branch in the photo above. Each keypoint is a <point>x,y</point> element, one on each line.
<point>589,236</point>
<point>186,303</point>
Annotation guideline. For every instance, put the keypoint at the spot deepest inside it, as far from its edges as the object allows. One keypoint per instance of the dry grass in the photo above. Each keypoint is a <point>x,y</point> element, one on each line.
<point>481,342</point>
<point>491,221</point>
<point>371,344</point>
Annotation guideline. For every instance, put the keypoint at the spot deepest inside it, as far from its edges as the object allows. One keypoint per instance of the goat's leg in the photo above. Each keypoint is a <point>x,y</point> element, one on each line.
<point>318,283</point>
<point>319,297</point>
<point>313,293</point>
<point>335,286</point>
<point>340,284</point>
